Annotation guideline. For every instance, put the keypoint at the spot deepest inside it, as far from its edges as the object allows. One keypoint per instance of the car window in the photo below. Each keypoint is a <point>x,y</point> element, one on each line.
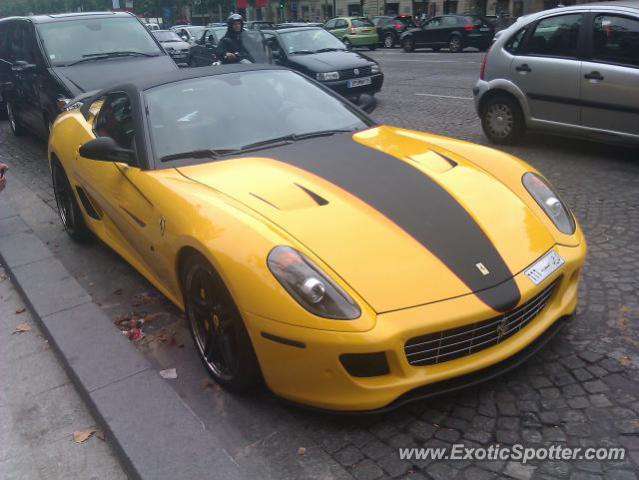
<point>115,120</point>
<point>616,40</point>
<point>513,44</point>
<point>4,30</point>
<point>449,21</point>
<point>362,22</point>
<point>330,24</point>
<point>70,41</point>
<point>342,24</point>
<point>309,40</point>
<point>435,22</point>
<point>556,36</point>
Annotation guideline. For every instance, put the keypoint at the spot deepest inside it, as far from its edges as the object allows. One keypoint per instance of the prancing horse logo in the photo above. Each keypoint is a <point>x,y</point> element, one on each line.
<point>480,266</point>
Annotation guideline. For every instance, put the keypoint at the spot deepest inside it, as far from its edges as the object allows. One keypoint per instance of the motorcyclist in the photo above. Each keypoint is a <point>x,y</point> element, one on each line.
<point>230,48</point>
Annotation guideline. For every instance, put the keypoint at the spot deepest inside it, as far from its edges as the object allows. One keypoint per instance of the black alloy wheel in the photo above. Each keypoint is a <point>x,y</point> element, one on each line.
<point>217,328</point>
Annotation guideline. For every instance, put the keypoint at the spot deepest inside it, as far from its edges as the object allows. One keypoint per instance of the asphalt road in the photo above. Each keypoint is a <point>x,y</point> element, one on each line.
<point>582,390</point>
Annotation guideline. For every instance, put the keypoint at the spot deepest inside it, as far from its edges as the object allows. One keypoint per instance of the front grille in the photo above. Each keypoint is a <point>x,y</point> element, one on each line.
<point>350,73</point>
<point>458,342</point>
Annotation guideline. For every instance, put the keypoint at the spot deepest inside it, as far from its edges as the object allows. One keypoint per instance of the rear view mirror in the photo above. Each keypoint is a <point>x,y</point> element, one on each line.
<point>106,149</point>
<point>367,102</point>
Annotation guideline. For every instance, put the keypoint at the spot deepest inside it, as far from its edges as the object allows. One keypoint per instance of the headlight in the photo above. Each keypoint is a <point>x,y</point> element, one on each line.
<point>322,77</point>
<point>309,286</point>
<point>375,69</point>
<point>550,202</point>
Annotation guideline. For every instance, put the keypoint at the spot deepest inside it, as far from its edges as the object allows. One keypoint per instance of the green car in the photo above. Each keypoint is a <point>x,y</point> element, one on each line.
<point>354,31</point>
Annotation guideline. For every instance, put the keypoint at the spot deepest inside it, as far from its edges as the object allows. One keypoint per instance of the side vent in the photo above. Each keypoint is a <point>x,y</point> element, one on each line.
<point>318,199</point>
<point>87,205</point>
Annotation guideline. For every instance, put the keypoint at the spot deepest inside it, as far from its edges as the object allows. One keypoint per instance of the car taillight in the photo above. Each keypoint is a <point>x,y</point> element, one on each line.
<point>469,27</point>
<point>398,25</point>
<point>353,30</point>
<point>482,69</point>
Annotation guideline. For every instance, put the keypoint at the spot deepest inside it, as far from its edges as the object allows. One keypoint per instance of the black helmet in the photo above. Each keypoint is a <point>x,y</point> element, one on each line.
<point>234,17</point>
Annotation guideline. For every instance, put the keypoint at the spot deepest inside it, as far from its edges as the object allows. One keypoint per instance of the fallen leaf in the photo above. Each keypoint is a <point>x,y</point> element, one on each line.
<point>169,373</point>
<point>301,451</point>
<point>625,360</point>
<point>22,327</point>
<point>83,435</point>
<point>20,310</point>
<point>135,334</point>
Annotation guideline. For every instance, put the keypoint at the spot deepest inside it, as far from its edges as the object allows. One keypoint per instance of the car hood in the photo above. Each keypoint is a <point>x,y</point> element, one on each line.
<point>330,61</point>
<point>100,74</point>
<point>403,226</point>
<point>176,45</point>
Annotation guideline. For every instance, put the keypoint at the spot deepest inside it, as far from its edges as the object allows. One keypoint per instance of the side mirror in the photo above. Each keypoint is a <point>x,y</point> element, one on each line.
<point>367,102</point>
<point>106,149</point>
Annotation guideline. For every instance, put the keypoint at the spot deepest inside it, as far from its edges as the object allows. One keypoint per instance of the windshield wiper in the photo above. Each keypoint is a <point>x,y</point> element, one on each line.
<point>293,137</point>
<point>301,52</point>
<point>204,153</point>
<point>99,56</point>
<point>331,49</point>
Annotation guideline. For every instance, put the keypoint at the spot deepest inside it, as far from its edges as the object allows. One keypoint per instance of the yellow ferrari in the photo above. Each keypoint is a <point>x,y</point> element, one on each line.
<point>351,266</point>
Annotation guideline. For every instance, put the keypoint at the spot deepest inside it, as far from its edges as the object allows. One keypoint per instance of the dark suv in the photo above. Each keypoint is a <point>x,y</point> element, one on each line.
<point>390,29</point>
<point>453,31</point>
<point>47,60</point>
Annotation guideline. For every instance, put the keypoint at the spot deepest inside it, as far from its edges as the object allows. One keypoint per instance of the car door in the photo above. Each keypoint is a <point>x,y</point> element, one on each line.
<point>547,68</point>
<point>449,25</point>
<point>610,74</point>
<point>429,32</point>
<point>341,28</point>
<point>128,214</point>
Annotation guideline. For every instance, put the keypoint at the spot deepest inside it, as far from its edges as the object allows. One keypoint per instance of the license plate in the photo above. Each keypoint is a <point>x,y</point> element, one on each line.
<point>359,82</point>
<point>544,267</point>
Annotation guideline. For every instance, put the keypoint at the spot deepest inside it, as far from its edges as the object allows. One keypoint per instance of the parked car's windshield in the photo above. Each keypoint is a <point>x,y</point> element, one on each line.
<point>167,36</point>
<point>72,41</point>
<point>310,41</point>
<point>230,111</point>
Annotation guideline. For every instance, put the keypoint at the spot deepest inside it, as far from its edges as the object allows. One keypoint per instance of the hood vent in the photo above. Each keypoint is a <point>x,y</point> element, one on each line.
<point>319,200</point>
<point>288,198</point>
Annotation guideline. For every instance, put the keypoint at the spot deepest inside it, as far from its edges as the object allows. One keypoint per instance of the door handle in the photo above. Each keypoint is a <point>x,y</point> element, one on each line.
<point>593,76</point>
<point>523,68</point>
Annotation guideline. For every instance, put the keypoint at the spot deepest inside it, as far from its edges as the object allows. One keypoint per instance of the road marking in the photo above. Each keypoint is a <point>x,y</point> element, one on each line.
<point>427,61</point>
<point>443,96</point>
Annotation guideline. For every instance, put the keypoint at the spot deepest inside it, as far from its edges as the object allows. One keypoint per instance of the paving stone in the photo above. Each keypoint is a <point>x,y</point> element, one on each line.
<point>507,408</point>
<point>577,429</point>
<point>531,436</point>
<point>348,456</point>
<point>549,418</point>
<point>475,473</point>
<point>441,471</point>
<point>377,450</point>
<point>519,470</point>
<point>393,466</point>
<point>366,470</point>
<point>581,374</point>
<point>578,402</point>
<point>508,423</point>
<point>621,475</point>
<point>448,435</point>
<point>553,434</point>
<point>508,437</point>
<point>597,371</point>
<point>422,431</point>
<point>557,468</point>
<point>584,476</point>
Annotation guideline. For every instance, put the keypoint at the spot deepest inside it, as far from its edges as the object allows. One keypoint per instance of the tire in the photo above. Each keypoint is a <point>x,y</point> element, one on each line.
<point>372,47</point>
<point>408,45</point>
<point>347,44</point>
<point>455,44</point>
<point>17,129</point>
<point>68,208</point>
<point>389,40</point>
<point>502,120</point>
<point>220,337</point>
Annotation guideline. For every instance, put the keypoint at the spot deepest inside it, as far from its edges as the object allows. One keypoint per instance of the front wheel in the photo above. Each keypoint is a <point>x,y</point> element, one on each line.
<point>347,44</point>
<point>408,45</point>
<point>502,120</point>
<point>217,328</point>
<point>68,208</point>
<point>455,44</point>
<point>389,40</point>
<point>17,129</point>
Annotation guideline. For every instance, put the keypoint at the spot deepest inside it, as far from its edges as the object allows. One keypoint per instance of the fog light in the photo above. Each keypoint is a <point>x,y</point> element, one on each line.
<point>365,364</point>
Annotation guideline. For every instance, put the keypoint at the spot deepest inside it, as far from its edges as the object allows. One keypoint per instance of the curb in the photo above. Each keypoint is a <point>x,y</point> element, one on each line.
<point>127,397</point>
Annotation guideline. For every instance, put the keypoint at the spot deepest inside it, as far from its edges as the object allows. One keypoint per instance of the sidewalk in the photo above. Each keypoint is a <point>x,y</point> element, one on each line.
<point>39,407</point>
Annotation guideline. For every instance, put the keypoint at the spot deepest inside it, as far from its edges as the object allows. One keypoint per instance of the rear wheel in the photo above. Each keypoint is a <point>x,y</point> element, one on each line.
<point>408,45</point>
<point>347,44</point>
<point>217,328</point>
<point>389,40</point>
<point>455,44</point>
<point>68,208</point>
<point>502,120</point>
<point>17,129</point>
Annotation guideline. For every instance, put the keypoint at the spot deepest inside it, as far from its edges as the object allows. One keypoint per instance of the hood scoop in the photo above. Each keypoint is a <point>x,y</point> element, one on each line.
<point>287,198</point>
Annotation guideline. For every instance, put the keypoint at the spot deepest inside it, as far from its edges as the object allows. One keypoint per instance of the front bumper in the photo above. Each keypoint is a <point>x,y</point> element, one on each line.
<point>309,370</point>
<point>341,86</point>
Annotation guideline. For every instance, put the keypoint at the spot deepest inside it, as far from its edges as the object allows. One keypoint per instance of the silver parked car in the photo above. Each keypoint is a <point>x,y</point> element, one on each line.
<point>572,70</point>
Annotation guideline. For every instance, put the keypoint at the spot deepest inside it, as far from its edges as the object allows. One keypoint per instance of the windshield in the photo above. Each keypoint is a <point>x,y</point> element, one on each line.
<point>195,31</point>
<point>167,36</point>
<point>362,22</point>
<point>229,111</point>
<point>310,41</point>
<point>72,41</point>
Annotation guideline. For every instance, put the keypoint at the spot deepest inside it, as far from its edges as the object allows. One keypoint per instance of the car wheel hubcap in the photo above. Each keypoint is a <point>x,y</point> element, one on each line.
<point>454,44</point>
<point>388,41</point>
<point>63,199</point>
<point>499,119</point>
<point>213,324</point>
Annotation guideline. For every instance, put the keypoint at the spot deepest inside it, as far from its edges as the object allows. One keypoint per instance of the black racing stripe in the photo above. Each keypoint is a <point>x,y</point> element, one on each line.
<point>413,201</point>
